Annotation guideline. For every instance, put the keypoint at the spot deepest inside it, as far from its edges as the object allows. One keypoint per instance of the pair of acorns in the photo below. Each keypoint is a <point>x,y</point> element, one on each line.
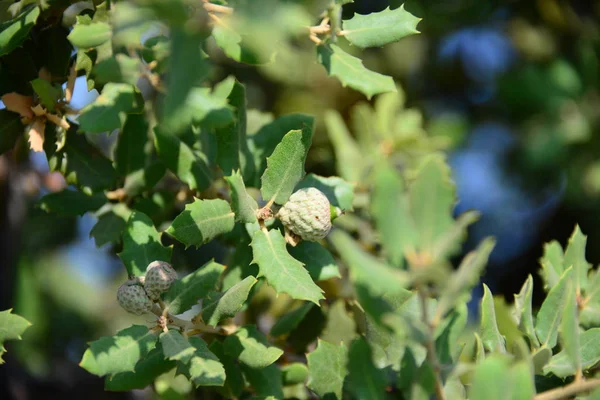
<point>138,295</point>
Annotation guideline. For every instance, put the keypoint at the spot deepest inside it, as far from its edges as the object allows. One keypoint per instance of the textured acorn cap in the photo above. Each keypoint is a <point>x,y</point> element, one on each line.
<point>133,298</point>
<point>159,277</point>
<point>307,214</point>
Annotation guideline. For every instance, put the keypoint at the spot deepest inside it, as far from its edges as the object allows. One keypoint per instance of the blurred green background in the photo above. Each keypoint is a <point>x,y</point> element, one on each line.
<point>509,87</point>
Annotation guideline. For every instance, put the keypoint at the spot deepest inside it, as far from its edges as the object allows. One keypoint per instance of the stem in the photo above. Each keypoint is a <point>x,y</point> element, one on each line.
<point>217,8</point>
<point>430,346</point>
<point>570,390</point>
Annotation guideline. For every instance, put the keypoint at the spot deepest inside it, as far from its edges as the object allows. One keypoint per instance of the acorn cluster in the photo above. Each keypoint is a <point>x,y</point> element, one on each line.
<point>138,295</point>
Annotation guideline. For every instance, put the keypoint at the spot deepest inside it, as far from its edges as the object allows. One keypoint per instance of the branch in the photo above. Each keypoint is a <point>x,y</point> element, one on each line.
<point>568,391</point>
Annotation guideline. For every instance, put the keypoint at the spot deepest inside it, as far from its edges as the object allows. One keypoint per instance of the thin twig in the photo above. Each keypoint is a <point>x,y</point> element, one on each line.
<point>217,8</point>
<point>430,346</point>
<point>570,390</point>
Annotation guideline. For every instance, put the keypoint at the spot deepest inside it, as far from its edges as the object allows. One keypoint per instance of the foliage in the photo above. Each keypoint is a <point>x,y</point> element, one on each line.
<point>399,327</point>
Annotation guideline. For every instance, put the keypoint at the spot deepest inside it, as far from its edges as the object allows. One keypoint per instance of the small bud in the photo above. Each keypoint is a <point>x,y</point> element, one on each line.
<point>159,277</point>
<point>133,298</point>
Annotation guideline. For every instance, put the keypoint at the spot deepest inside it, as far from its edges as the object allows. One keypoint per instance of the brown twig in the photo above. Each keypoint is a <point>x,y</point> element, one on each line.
<point>569,390</point>
<point>215,8</point>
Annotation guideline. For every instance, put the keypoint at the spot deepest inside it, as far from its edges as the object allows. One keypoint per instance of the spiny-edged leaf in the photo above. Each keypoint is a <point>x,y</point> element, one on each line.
<point>119,69</point>
<point>380,28</point>
<point>12,326</point>
<point>327,369</point>
<point>110,225</point>
<point>10,130</point>
<point>146,371</point>
<point>119,353</point>
<point>317,260</point>
<point>185,292</point>
<point>203,368</point>
<point>366,381</point>
<point>251,347</point>
<point>228,304</point>
<point>142,245</point>
<point>282,271</point>
<point>575,257</point>
<point>188,165</point>
<point>285,167</point>
<point>351,72</point>
<point>233,152</point>
<point>341,327</point>
<point>348,155</point>
<point>432,198</point>
<point>176,347</point>
<point>90,35</point>
<point>466,276</point>
<point>71,202</point>
<point>549,316</point>
<point>569,326</point>
<point>265,381</point>
<point>522,311</point>
<point>129,154</point>
<point>390,210</point>
<point>339,192</point>
<point>109,110</point>
<point>491,380</point>
<point>263,142</point>
<point>240,265</point>
<point>589,349</point>
<point>450,243</point>
<point>289,321</point>
<point>202,221</point>
<point>82,163</point>
<point>234,380</point>
<point>84,62</point>
<point>448,343</point>
<point>242,203</point>
<point>46,92</point>
<point>13,32</point>
<point>552,264</point>
<point>490,335</point>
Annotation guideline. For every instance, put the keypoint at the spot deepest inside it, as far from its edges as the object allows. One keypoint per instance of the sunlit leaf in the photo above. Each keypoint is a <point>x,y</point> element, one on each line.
<point>12,327</point>
<point>327,369</point>
<point>250,346</point>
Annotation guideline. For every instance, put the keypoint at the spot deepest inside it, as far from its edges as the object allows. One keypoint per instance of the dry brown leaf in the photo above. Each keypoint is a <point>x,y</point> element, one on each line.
<point>70,84</point>
<point>58,121</point>
<point>38,110</point>
<point>36,135</point>
<point>18,103</point>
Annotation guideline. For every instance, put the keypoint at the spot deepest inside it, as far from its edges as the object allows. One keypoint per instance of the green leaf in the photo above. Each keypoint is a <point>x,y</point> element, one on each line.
<point>142,245</point>
<point>289,321</point>
<point>339,192</point>
<point>263,143</point>
<point>242,203</point>
<point>71,202</point>
<point>348,155</point>
<point>110,225</point>
<point>190,166</point>
<point>84,62</point>
<point>12,326</point>
<point>466,276</point>
<point>491,380</point>
<point>250,346</point>
<point>109,110</point>
<point>145,372</point>
<point>523,386</point>
<point>575,257</point>
<point>234,380</point>
<point>552,264</point>
<point>129,22</point>
<point>380,28</point>
<point>204,368</point>
<point>11,129</point>
<point>265,381</point>
<point>176,347</point>
<point>90,35</point>
<point>285,167</point>
<point>351,72</point>
<point>569,326</point>
<point>390,210</point>
<point>589,350</point>
<point>228,304</point>
<point>82,164</point>
<point>185,292</point>
<point>450,243</point>
<point>366,381</point>
<point>490,335</point>
<point>432,197</point>
<point>317,260</point>
<point>231,42</point>
<point>16,30</point>
<point>47,94</point>
<point>144,179</point>
<point>522,311</point>
<point>119,69</point>
<point>340,327</point>
<point>202,221</point>
<point>327,369</point>
<point>294,373</point>
<point>549,316</point>
<point>119,353</point>
<point>233,152</point>
<point>282,271</point>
